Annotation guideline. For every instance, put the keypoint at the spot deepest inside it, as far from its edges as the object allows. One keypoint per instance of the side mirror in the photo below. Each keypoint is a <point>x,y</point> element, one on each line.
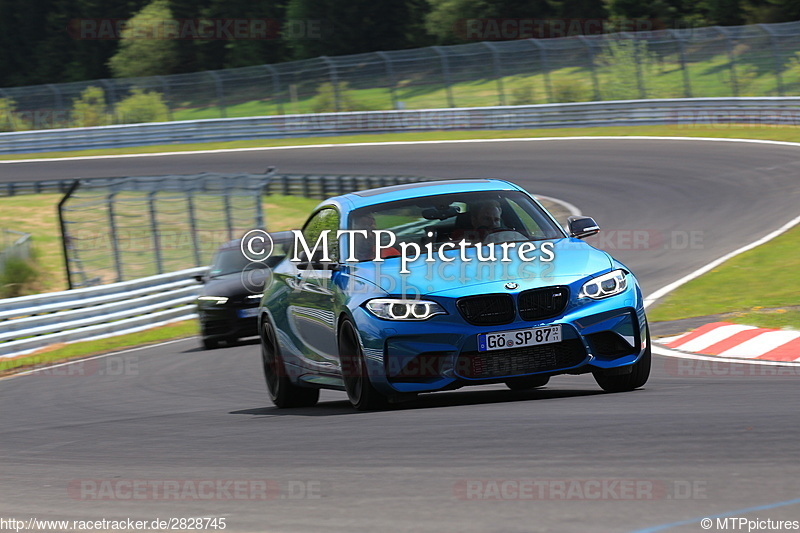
<point>582,227</point>
<point>315,262</point>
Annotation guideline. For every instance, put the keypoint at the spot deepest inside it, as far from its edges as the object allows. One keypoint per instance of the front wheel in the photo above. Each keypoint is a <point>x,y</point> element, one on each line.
<point>359,388</point>
<point>282,392</point>
<point>638,376</point>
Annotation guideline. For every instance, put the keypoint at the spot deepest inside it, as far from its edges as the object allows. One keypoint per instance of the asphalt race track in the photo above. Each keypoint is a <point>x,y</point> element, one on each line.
<point>699,441</point>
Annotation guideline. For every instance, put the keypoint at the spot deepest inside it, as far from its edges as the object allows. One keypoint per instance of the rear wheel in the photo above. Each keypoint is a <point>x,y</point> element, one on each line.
<point>640,371</point>
<point>282,391</point>
<point>210,344</point>
<point>526,383</point>
<point>359,388</point>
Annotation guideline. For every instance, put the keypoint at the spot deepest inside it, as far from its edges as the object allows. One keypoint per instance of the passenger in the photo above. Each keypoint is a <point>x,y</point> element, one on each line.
<point>365,247</point>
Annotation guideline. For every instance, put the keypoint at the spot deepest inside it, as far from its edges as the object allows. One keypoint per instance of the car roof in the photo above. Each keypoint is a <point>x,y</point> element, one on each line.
<point>425,188</point>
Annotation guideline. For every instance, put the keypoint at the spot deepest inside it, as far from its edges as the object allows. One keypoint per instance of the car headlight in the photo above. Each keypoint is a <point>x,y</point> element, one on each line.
<point>604,286</point>
<point>213,300</point>
<point>401,309</point>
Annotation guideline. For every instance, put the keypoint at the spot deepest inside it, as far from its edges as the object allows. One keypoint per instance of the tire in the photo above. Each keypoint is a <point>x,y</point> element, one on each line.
<point>640,371</point>
<point>360,391</point>
<point>210,344</point>
<point>283,393</point>
<point>527,383</point>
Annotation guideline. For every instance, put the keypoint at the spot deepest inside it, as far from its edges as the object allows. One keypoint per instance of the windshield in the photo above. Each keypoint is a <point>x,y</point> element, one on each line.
<point>476,217</point>
<point>231,261</point>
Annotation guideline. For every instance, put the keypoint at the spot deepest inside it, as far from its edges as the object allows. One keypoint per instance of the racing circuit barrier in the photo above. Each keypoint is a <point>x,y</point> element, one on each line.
<point>678,112</point>
<point>29,323</point>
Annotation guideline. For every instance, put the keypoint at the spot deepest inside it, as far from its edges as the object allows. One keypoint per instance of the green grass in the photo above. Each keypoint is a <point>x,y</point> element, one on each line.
<point>765,132</point>
<point>62,352</point>
<point>776,319</point>
<point>37,214</point>
<point>765,277</point>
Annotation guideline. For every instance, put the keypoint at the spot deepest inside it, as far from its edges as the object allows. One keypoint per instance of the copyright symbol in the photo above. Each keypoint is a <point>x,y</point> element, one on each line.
<point>256,245</point>
<point>706,523</point>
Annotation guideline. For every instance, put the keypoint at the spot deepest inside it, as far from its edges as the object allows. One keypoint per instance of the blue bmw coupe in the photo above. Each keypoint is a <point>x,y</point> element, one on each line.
<point>392,292</point>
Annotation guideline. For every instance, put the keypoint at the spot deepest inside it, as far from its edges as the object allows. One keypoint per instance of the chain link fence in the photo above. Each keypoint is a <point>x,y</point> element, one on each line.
<point>122,229</point>
<point>758,60</point>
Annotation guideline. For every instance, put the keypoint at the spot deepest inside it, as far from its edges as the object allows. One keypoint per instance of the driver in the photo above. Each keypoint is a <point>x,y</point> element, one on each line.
<point>485,217</point>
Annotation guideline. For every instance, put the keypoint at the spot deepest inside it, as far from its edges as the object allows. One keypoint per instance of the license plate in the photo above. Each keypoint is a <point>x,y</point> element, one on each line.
<point>247,313</point>
<point>519,338</point>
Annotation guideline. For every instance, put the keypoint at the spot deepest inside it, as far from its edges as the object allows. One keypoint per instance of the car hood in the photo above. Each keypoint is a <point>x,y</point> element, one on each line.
<point>573,260</point>
<point>236,284</point>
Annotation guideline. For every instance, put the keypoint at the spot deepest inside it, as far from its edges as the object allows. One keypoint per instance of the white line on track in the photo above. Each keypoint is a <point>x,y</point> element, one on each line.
<point>398,143</point>
<point>102,356</point>
<point>663,291</point>
<point>660,350</point>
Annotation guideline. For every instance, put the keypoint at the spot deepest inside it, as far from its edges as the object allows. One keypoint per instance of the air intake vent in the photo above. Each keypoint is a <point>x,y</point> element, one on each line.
<point>537,304</point>
<point>487,309</point>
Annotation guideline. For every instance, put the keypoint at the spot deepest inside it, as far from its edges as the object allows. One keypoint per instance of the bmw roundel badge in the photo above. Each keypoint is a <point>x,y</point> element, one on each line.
<point>511,285</point>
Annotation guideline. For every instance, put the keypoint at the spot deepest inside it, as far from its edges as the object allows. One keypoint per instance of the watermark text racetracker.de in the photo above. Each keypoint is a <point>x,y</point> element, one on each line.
<point>204,29</point>
<point>193,489</point>
<point>110,366</point>
<point>595,489</point>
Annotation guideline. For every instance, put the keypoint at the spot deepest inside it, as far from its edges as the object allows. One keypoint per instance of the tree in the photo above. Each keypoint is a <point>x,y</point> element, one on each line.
<point>90,108</point>
<point>145,48</point>
<point>448,18</point>
<point>338,27</point>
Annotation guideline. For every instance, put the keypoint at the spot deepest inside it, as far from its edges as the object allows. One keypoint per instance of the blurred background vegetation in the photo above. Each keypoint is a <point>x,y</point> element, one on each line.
<point>41,44</point>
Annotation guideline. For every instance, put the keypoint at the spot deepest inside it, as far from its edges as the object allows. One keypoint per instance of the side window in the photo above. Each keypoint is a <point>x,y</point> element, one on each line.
<point>325,219</point>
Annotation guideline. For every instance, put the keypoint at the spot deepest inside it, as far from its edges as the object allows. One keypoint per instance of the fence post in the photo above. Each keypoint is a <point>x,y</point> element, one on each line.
<point>390,76</point>
<point>10,118</point>
<point>276,87</point>
<point>58,101</point>
<point>543,60</point>
<point>590,49</point>
<point>220,94</point>
<point>446,76</point>
<point>193,226</point>
<point>731,59</point>
<point>776,57</point>
<point>111,98</point>
<point>638,61</point>
<point>687,86</point>
<point>151,201</point>
<point>165,86</point>
<point>501,95</point>
<point>112,227</point>
<point>334,77</point>
<point>65,238</point>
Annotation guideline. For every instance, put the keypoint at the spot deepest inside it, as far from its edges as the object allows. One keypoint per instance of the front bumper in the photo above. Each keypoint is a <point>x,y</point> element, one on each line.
<point>230,321</point>
<point>442,353</point>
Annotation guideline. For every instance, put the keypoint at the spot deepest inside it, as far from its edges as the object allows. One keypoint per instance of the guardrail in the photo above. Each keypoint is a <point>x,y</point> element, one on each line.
<point>306,185</point>
<point>28,323</point>
<point>769,110</point>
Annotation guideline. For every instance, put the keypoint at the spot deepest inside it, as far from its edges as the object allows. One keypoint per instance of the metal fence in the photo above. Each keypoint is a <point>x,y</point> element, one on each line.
<point>128,228</point>
<point>682,113</point>
<point>757,60</point>
<point>29,323</point>
<point>13,244</point>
